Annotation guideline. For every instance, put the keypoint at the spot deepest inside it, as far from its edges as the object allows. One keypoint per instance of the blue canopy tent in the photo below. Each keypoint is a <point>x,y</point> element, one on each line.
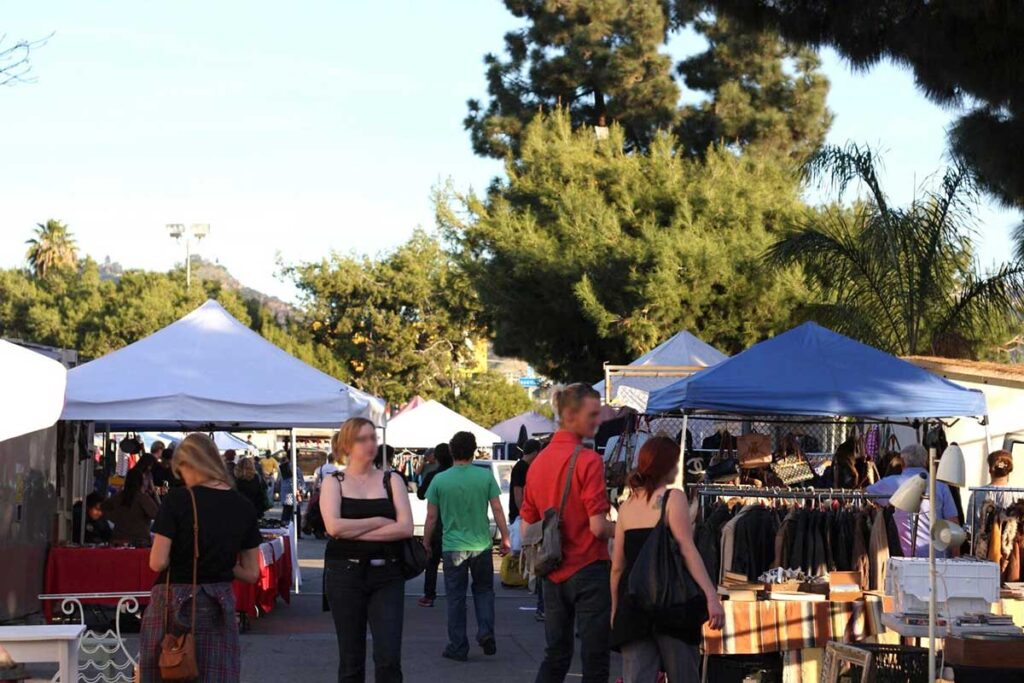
<point>812,371</point>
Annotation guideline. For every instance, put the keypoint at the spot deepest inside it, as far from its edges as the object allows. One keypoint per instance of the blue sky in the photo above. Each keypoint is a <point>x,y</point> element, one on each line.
<point>300,128</point>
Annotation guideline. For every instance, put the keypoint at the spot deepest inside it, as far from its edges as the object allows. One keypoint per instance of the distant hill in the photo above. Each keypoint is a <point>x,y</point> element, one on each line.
<point>208,270</point>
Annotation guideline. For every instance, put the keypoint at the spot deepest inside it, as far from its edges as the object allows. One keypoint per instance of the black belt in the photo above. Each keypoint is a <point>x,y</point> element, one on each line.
<point>368,561</point>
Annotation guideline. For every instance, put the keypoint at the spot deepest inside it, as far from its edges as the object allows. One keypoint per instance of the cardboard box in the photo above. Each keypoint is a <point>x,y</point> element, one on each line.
<point>844,586</point>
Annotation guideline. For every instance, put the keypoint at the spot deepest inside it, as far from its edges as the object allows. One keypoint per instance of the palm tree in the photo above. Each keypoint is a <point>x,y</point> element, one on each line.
<point>900,279</point>
<point>53,248</point>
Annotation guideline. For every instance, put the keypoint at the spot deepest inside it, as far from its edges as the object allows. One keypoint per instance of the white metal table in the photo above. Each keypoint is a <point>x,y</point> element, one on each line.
<point>34,644</point>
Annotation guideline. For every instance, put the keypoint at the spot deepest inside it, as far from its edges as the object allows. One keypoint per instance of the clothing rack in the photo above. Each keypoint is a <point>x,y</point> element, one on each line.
<point>785,493</point>
<point>996,489</point>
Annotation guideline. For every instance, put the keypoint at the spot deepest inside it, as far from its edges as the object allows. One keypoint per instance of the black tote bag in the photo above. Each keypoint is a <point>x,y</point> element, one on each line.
<point>660,584</point>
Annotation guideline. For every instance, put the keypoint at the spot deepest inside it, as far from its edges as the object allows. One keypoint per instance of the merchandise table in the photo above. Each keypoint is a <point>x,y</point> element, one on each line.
<point>74,571</point>
<point>798,630</point>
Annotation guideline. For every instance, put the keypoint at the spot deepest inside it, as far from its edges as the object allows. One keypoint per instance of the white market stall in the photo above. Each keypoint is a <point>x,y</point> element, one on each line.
<point>431,423</point>
<point>679,356</point>
<point>209,372</point>
<point>534,423</point>
<point>39,398</point>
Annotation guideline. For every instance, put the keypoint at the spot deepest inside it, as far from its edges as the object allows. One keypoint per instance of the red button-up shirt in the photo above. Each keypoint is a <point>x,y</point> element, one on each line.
<point>545,481</point>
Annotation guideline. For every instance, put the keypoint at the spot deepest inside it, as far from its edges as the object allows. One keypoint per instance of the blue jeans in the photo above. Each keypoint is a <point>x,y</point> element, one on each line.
<point>580,603</point>
<point>456,577</point>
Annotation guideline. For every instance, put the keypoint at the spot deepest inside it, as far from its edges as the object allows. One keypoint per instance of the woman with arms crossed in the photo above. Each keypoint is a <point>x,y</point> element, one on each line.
<point>366,513</point>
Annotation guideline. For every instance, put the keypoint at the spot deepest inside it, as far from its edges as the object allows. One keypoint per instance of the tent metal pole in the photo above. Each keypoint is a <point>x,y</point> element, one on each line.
<point>681,477</point>
<point>295,497</point>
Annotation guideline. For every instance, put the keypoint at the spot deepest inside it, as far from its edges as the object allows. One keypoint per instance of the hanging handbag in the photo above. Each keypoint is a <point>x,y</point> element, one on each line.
<point>178,652</point>
<point>546,535</point>
<point>659,582</point>
<point>412,556</point>
<point>754,450</point>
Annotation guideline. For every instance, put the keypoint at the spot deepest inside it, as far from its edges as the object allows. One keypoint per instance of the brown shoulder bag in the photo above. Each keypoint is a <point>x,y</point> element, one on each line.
<point>178,652</point>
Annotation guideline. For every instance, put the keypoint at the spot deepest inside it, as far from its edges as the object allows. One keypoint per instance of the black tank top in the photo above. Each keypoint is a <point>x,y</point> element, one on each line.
<point>363,508</point>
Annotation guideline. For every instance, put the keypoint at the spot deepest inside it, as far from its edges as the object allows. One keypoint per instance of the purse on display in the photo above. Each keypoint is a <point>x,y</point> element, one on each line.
<point>754,450</point>
<point>178,652</point>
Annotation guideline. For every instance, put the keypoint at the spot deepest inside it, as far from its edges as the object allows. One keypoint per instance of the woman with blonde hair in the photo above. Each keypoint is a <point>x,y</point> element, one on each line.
<point>366,513</point>
<point>193,590</point>
<point>249,484</point>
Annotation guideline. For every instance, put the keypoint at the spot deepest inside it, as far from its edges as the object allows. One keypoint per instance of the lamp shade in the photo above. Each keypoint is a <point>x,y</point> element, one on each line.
<point>947,535</point>
<point>910,493</point>
<point>952,469</point>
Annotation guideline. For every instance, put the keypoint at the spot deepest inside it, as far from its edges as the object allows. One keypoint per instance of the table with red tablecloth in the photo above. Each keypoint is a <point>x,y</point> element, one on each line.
<point>80,571</point>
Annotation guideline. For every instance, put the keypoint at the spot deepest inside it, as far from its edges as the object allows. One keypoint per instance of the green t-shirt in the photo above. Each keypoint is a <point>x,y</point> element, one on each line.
<point>462,495</point>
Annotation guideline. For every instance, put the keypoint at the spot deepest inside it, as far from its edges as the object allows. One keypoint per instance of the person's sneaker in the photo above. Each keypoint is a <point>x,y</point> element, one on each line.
<point>490,646</point>
<point>426,602</point>
<point>539,615</point>
<point>447,654</point>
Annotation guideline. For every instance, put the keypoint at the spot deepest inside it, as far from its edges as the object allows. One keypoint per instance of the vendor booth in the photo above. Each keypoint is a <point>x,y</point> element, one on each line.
<point>767,394</point>
<point>679,356</point>
<point>431,423</point>
<point>206,372</point>
<point>534,423</point>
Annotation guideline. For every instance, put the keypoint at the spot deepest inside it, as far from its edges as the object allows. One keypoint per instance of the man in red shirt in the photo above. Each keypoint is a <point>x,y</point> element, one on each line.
<point>576,594</point>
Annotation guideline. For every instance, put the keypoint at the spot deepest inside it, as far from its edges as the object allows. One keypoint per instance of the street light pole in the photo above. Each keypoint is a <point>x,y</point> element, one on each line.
<point>196,230</point>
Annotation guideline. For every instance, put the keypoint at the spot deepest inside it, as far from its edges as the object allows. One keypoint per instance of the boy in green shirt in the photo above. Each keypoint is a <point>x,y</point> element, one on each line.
<point>460,496</point>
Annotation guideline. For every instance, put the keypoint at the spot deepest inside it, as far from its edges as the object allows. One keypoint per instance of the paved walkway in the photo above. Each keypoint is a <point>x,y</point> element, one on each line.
<point>296,642</point>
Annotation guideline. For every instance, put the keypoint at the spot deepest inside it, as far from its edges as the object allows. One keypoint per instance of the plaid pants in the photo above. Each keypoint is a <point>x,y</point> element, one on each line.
<point>216,634</point>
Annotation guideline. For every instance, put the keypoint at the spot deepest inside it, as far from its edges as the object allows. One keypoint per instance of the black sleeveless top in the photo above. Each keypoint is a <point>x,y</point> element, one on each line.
<point>363,508</point>
<point>630,622</point>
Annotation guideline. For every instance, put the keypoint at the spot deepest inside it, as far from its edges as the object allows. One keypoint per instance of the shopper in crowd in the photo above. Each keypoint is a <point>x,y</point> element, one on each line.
<point>576,596</point>
<point>131,510</point>
<point>915,459</point>
<point>380,460</point>
<point>97,530</point>
<point>249,485</point>
<point>443,456</point>
<point>314,523</point>
<point>367,515</point>
<point>459,499</point>
<point>229,461</point>
<point>287,490</point>
<point>160,472</point>
<point>229,539</point>
<point>649,646</point>
<point>271,472</point>
<point>517,485</point>
<point>1000,465</point>
<point>425,466</point>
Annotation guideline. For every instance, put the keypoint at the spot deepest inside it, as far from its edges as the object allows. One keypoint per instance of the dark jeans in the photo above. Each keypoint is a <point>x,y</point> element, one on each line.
<point>481,569</point>
<point>430,574</point>
<point>359,594</point>
<point>581,603</point>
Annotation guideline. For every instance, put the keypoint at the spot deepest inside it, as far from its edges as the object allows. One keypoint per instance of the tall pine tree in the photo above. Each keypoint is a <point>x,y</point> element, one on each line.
<point>603,63</point>
<point>600,61</point>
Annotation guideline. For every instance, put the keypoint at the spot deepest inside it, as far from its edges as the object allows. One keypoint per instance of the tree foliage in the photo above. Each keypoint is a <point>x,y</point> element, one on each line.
<point>603,62</point>
<point>404,322</point>
<point>600,61</point>
<point>53,248</point>
<point>965,54</point>
<point>588,253</point>
<point>763,93</point>
<point>900,279</point>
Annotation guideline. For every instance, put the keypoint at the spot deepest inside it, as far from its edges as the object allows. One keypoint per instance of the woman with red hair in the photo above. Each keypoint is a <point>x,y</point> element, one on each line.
<point>646,646</point>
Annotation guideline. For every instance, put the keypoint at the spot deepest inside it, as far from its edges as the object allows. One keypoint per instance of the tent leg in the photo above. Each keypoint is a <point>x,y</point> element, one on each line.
<point>295,517</point>
<point>681,477</point>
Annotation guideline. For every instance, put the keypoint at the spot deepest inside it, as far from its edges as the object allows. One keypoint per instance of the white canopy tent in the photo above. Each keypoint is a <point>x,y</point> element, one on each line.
<point>431,423</point>
<point>36,394</point>
<point>209,371</point>
<point>658,368</point>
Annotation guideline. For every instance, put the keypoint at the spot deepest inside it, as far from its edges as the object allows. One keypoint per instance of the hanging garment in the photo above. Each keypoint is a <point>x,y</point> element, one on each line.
<point>861,539</point>
<point>878,552</point>
<point>995,546</point>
